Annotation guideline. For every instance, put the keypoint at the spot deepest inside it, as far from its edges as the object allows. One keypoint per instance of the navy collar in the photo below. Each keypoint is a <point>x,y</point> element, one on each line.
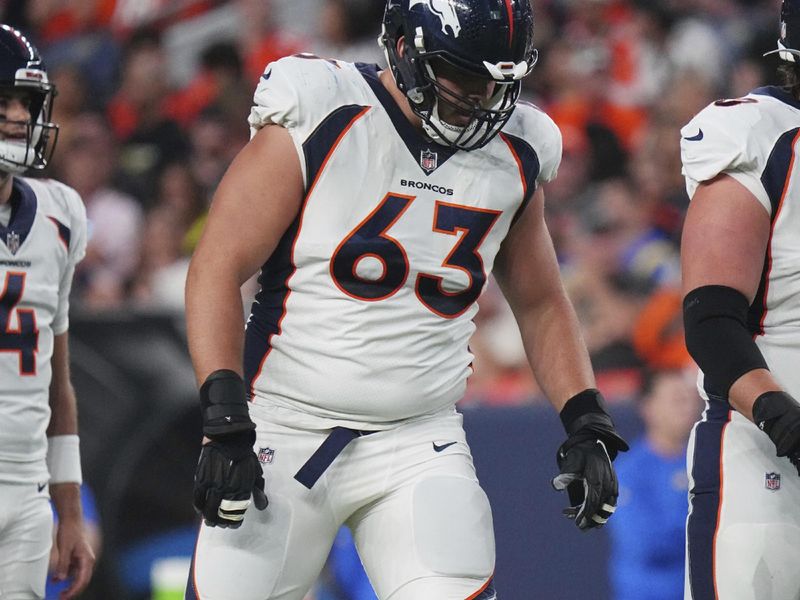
<point>779,94</point>
<point>23,213</point>
<point>416,143</point>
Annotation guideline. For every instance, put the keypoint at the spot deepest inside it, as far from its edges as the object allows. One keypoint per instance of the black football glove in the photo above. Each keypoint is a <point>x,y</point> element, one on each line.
<point>584,460</point>
<point>778,415</point>
<point>227,475</point>
<point>228,472</point>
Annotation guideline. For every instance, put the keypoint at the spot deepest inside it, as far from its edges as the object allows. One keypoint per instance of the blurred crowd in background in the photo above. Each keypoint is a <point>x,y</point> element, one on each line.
<point>154,95</point>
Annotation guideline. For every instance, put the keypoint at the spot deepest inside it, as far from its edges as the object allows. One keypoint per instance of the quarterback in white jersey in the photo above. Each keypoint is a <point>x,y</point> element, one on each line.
<point>376,204</point>
<point>42,238</point>
<point>741,277</point>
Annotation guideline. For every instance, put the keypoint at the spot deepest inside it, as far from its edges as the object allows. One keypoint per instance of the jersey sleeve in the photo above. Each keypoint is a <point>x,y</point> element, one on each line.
<point>539,131</point>
<point>549,148</point>
<point>297,93</point>
<point>720,140</point>
<point>77,250</point>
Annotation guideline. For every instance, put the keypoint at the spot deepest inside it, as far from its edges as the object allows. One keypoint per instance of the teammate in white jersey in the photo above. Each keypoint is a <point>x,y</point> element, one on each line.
<point>741,277</point>
<point>42,237</point>
<point>380,202</point>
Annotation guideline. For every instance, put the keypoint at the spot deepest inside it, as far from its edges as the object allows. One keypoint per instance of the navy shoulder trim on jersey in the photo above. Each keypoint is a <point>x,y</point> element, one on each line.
<point>64,232</point>
<point>528,162</point>
<point>778,93</point>
<point>776,172</point>
<point>23,213</point>
<point>416,143</point>
<point>324,138</point>
<point>774,178</point>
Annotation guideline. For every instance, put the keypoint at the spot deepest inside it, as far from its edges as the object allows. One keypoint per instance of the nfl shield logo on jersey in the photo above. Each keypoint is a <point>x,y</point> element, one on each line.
<point>12,241</point>
<point>265,455</point>
<point>429,161</point>
<point>772,481</point>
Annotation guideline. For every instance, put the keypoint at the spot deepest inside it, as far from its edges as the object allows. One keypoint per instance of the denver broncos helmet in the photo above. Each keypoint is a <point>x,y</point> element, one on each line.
<point>789,42</point>
<point>492,39</point>
<point>21,68</point>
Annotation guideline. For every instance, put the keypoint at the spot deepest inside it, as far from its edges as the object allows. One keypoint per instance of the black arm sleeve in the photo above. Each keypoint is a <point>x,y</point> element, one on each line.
<point>717,337</point>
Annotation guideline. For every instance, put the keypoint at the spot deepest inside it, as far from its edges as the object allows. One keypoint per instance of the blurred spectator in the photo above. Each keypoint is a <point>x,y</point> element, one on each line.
<point>261,40</point>
<point>139,116</point>
<point>213,143</point>
<point>162,271</point>
<point>76,33</point>
<point>658,336</point>
<point>501,372</point>
<point>180,192</point>
<point>219,84</point>
<point>87,162</point>
<point>349,31</point>
<point>648,537</point>
<point>73,99</point>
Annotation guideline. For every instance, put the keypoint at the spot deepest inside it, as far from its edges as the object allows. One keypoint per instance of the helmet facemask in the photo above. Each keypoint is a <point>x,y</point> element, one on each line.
<point>34,152</point>
<point>414,70</point>
<point>485,118</point>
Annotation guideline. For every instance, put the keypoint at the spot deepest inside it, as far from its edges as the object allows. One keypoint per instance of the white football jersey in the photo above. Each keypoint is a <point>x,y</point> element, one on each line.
<point>366,305</point>
<point>754,139</point>
<point>39,249</point>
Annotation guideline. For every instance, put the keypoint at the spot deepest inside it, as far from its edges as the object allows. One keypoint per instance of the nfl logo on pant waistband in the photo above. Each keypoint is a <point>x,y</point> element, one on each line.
<point>265,455</point>
<point>772,481</point>
<point>429,161</point>
<point>12,241</point>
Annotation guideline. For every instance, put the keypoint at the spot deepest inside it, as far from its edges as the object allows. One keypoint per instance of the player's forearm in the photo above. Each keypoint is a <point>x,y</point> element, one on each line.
<point>556,350</point>
<point>748,387</point>
<point>63,405</point>
<point>67,502</point>
<point>214,320</point>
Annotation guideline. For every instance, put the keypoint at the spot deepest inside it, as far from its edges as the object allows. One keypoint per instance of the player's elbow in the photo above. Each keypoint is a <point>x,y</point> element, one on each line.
<point>717,336</point>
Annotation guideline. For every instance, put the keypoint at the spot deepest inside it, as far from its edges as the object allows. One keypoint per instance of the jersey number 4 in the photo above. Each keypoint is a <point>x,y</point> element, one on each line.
<point>25,338</point>
<point>370,239</point>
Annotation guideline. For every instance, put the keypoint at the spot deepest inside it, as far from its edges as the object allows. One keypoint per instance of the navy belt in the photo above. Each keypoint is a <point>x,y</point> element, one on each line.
<point>327,452</point>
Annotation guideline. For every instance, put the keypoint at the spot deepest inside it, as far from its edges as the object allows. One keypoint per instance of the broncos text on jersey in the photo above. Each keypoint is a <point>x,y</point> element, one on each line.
<point>366,305</point>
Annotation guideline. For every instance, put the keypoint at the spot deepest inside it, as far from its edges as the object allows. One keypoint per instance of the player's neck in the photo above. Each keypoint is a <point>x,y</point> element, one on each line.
<point>389,83</point>
<point>6,182</point>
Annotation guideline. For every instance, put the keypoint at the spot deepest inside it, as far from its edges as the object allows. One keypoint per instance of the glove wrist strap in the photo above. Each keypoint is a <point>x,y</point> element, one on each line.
<point>581,409</point>
<point>769,406</point>
<point>223,403</point>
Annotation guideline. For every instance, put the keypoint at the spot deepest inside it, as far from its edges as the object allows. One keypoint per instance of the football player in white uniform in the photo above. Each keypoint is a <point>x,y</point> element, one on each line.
<point>378,203</point>
<point>42,237</point>
<point>741,277</point>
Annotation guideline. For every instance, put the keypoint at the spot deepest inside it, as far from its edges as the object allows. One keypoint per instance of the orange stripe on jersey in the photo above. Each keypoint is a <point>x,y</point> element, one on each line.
<point>504,137</point>
<point>774,222</point>
<point>311,187</point>
<point>719,506</point>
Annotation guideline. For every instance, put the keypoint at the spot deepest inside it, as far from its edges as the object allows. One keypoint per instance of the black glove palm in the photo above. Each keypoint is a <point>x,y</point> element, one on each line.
<point>228,474</point>
<point>584,461</point>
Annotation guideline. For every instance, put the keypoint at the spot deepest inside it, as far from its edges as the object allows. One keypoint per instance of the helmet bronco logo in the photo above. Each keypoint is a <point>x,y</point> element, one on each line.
<point>445,10</point>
